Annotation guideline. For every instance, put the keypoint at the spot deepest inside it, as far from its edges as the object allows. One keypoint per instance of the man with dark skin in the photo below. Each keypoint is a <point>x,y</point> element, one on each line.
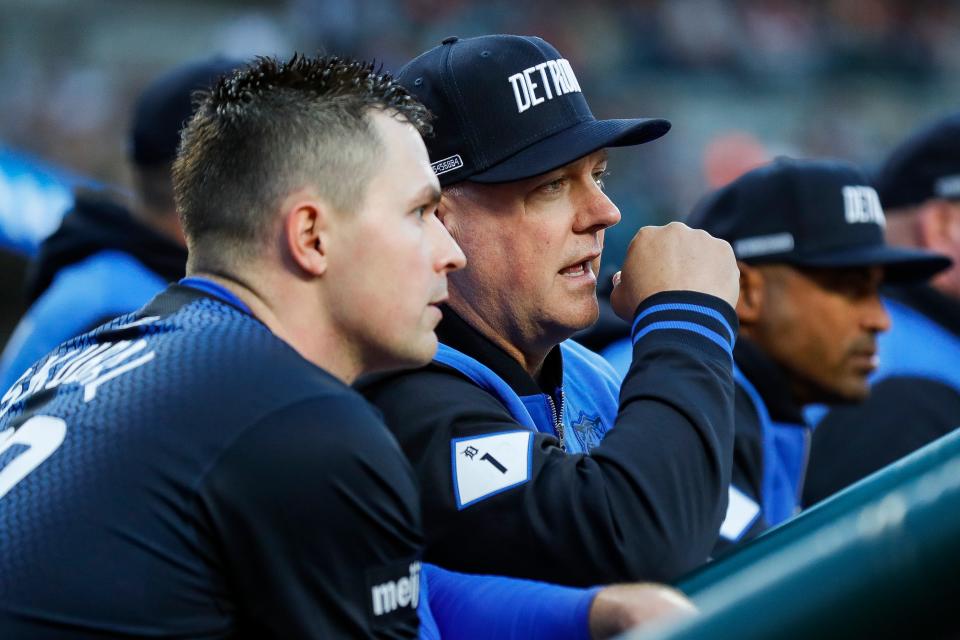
<point>809,236</point>
<point>915,397</point>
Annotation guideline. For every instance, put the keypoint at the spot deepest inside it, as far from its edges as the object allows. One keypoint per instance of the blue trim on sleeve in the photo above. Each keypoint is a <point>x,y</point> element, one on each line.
<point>428,625</point>
<point>713,336</point>
<point>696,308</point>
<point>474,607</point>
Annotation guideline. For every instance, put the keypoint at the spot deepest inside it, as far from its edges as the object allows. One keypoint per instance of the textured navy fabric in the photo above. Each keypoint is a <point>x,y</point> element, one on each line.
<point>210,483</point>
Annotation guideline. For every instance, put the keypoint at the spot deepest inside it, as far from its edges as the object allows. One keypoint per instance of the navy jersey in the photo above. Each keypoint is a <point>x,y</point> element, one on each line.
<point>183,473</point>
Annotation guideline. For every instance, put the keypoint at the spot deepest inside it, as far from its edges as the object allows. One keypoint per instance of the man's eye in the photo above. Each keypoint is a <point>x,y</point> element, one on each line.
<point>553,185</point>
<point>600,178</point>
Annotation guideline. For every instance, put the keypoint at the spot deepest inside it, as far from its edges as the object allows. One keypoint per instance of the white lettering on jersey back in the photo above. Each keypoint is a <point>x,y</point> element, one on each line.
<point>486,465</point>
<point>862,204</point>
<point>534,85</point>
<point>394,594</point>
<point>42,435</point>
<point>135,323</point>
<point>90,367</point>
<point>742,512</point>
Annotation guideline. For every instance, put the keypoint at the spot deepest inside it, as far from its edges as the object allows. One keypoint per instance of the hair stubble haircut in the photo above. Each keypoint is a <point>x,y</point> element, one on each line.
<point>273,127</point>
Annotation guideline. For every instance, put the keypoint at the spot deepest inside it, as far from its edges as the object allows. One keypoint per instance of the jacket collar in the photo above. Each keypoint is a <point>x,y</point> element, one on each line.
<point>455,332</point>
<point>770,381</point>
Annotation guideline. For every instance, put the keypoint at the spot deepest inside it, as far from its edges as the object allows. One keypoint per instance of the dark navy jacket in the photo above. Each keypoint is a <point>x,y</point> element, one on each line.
<point>506,481</point>
<point>99,264</point>
<point>914,397</point>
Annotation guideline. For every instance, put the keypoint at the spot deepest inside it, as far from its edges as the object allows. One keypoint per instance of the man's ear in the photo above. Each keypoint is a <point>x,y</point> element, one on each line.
<point>453,211</point>
<point>750,303</point>
<point>306,225</point>
<point>445,212</point>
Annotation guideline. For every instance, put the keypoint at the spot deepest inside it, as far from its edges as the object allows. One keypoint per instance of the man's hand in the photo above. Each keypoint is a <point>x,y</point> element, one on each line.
<point>620,607</point>
<point>670,258</point>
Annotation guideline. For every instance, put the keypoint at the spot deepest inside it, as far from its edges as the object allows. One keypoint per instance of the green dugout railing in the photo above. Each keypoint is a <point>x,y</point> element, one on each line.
<point>879,559</point>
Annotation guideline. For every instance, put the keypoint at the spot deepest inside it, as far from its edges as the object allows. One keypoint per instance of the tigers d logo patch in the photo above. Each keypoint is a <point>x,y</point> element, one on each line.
<point>588,430</point>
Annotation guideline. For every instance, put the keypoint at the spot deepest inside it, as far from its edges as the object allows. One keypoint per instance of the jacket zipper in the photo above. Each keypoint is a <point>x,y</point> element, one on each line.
<point>558,418</point>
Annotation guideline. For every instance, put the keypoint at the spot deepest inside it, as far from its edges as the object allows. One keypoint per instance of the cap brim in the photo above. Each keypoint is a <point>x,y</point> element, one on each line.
<point>570,144</point>
<point>900,264</point>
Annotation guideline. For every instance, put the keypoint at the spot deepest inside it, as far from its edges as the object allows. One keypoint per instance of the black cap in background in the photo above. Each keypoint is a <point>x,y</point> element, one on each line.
<point>165,107</point>
<point>926,165</point>
<point>812,213</point>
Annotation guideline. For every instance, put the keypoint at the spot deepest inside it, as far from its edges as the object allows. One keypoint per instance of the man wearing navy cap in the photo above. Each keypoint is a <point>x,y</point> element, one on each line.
<point>809,236</point>
<point>915,397</point>
<point>510,428</point>
<point>108,258</point>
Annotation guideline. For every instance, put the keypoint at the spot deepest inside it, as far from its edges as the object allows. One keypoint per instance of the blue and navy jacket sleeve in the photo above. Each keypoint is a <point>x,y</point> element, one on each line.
<point>479,607</point>
<point>646,504</point>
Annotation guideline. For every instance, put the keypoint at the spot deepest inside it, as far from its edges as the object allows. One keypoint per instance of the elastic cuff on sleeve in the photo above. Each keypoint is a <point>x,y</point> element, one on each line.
<point>695,317</point>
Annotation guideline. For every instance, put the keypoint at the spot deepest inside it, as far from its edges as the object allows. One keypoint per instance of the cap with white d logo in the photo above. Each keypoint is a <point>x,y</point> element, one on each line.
<point>510,107</point>
<point>813,213</point>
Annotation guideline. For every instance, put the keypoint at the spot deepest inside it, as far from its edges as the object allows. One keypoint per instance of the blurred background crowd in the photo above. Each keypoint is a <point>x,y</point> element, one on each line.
<point>741,80</point>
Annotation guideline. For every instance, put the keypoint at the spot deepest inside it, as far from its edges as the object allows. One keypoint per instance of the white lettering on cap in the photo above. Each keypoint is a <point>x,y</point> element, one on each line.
<point>862,204</point>
<point>447,164</point>
<point>560,85</point>
<point>520,91</point>
<point>527,83</point>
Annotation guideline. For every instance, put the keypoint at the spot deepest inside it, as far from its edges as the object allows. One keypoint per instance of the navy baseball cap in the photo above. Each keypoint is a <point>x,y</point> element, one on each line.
<point>926,165</point>
<point>509,107</point>
<point>165,107</point>
<point>809,213</point>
